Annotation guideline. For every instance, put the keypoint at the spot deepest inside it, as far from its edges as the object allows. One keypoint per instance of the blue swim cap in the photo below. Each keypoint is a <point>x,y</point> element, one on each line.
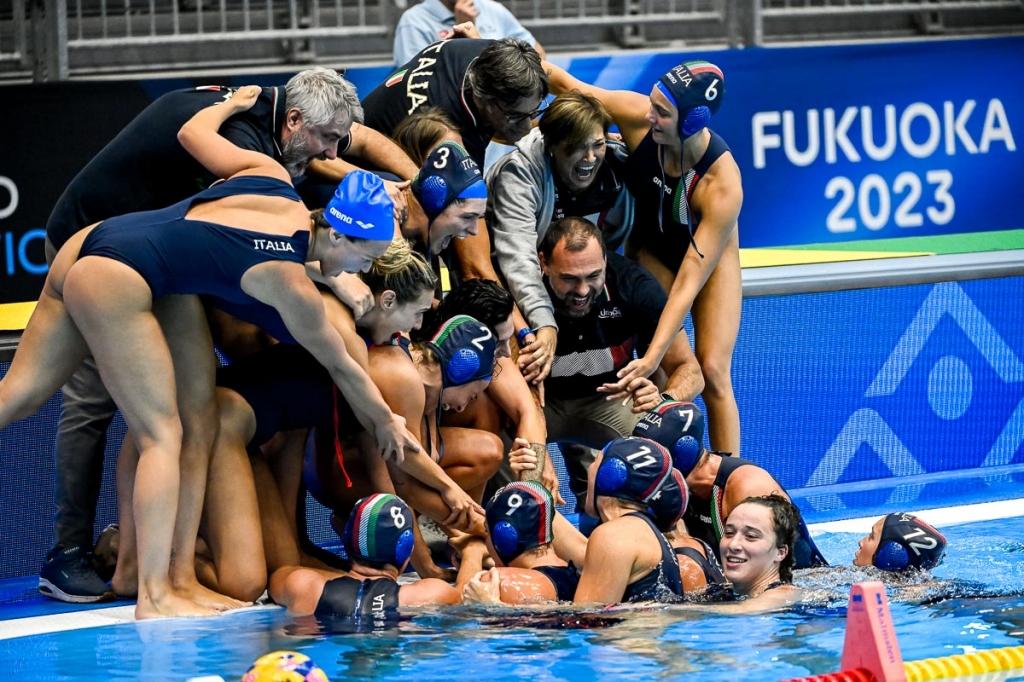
<point>449,173</point>
<point>633,469</point>
<point>678,427</point>
<point>669,503</point>
<point>379,530</point>
<point>908,542</point>
<point>361,208</point>
<point>520,517</point>
<point>696,89</point>
<point>465,348</point>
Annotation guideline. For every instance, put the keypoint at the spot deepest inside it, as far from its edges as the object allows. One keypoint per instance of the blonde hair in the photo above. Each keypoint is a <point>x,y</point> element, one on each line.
<point>401,270</point>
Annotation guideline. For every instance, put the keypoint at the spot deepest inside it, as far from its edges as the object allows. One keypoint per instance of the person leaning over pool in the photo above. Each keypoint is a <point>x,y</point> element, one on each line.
<point>688,194</point>
<point>628,559</point>
<point>109,282</point>
<point>565,167</point>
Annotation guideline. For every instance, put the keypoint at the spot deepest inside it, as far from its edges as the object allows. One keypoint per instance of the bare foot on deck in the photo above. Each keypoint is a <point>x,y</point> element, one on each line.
<point>125,582</point>
<point>208,598</point>
<point>170,605</point>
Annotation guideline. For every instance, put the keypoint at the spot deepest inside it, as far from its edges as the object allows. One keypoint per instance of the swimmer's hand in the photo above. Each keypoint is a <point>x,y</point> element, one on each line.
<point>396,190</point>
<point>641,390</point>
<point>466,513</point>
<point>466,29</point>
<point>244,97</point>
<point>394,438</point>
<point>483,588</point>
<point>536,357</point>
<point>522,458</point>
<point>353,292</point>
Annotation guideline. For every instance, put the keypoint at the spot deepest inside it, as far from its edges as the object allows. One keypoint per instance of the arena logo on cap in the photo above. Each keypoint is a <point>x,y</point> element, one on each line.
<point>342,217</point>
<point>365,226</point>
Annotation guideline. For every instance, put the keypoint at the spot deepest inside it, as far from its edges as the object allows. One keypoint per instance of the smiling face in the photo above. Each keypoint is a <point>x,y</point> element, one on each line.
<point>577,167</point>
<point>663,118</point>
<point>576,278</point>
<point>511,123</point>
<point>301,144</point>
<point>458,221</point>
<point>868,545</point>
<point>398,318</point>
<point>748,547</point>
<point>457,398</point>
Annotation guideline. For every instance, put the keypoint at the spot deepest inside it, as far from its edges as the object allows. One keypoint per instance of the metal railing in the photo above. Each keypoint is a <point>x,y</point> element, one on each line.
<point>53,39</point>
<point>13,34</point>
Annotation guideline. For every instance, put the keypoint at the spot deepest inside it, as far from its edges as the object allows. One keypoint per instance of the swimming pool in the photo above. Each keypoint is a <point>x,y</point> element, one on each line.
<point>984,558</point>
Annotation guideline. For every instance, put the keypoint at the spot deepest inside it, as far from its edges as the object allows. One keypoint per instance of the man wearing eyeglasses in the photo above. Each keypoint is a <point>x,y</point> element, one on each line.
<point>493,89</point>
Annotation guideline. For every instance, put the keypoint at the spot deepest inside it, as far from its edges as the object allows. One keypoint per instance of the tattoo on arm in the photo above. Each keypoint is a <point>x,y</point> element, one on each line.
<point>541,451</point>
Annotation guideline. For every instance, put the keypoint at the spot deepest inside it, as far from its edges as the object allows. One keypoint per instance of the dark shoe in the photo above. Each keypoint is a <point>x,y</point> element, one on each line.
<point>68,575</point>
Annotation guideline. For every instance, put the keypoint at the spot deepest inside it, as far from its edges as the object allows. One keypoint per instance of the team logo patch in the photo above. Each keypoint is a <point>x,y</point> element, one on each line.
<point>397,78</point>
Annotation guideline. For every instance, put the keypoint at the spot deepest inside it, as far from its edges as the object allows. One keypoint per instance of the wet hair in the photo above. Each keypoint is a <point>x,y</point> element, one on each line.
<point>577,233</point>
<point>785,525</point>
<point>401,270</point>
<point>482,299</point>
<point>507,71</point>
<point>320,94</point>
<point>571,119</point>
<point>417,135</point>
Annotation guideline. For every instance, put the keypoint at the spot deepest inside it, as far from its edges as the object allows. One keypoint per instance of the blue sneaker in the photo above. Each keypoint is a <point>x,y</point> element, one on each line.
<point>69,576</point>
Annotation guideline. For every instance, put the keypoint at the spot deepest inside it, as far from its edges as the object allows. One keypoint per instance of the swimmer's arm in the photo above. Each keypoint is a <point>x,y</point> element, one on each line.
<point>628,108</point>
<point>380,152</point>
<point>434,591</point>
<point>773,600</point>
<point>721,208</point>
<point>606,569</point>
<point>200,138</point>
<point>402,390</point>
<point>753,482</point>
<point>473,254</point>
<point>570,544</point>
<point>297,589</point>
<point>340,318</point>
<point>298,302</point>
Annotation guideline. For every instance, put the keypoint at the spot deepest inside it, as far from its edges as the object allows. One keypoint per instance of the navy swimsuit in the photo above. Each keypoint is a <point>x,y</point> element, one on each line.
<point>564,578</point>
<point>656,225</point>
<point>704,518</point>
<point>176,255</point>
<point>707,562</point>
<point>663,580</point>
<point>372,603</point>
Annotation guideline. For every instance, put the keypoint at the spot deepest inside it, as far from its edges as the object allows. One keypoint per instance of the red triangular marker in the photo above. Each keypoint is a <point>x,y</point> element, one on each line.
<point>870,636</point>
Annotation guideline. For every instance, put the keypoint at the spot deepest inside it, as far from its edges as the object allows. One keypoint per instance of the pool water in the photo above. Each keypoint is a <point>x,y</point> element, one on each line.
<point>985,558</point>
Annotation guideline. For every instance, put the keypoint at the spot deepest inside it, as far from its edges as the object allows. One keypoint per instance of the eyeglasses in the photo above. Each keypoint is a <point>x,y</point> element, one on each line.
<point>516,117</point>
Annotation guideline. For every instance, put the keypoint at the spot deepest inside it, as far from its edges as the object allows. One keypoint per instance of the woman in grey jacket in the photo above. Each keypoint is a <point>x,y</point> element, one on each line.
<point>566,167</point>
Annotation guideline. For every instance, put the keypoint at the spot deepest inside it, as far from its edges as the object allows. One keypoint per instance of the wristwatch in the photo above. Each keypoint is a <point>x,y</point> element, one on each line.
<point>523,333</point>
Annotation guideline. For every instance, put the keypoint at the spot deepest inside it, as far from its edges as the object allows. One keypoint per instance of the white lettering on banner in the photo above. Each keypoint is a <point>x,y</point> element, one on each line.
<point>950,128</point>
<point>12,202</point>
<point>836,134</point>
<point>874,191</point>
<point>806,157</point>
<point>868,138</point>
<point>919,129</point>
